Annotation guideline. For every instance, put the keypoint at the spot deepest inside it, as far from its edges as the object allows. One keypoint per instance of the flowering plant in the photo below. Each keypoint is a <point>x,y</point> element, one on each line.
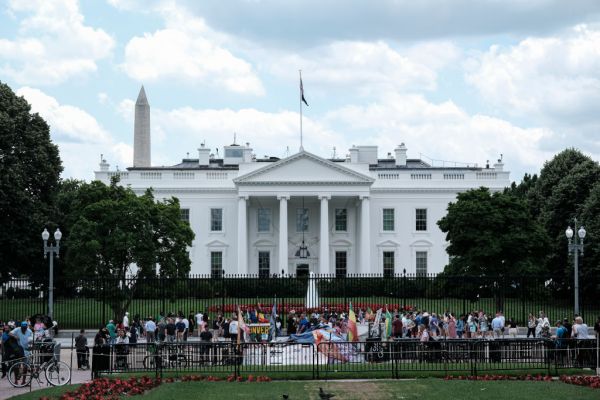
<point>590,381</point>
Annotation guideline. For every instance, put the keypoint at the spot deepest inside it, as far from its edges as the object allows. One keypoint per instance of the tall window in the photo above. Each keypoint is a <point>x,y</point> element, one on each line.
<point>388,219</point>
<point>388,263</point>
<point>421,219</point>
<point>421,263</point>
<point>184,215</point>
<point>341,219</point>
<point>216,219</point>
<point>264,219</point>
<point>216,264</point>
<point>301,219</point>
<point>264,264</point>
<point>341,263</point>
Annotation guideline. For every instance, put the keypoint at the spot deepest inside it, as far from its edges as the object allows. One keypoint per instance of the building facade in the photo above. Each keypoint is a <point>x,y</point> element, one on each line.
<point>303,213</point>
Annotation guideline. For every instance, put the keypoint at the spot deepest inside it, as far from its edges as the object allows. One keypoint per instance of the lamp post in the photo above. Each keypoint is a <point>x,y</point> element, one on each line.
<point>51,250</point>
<point>576,247</point>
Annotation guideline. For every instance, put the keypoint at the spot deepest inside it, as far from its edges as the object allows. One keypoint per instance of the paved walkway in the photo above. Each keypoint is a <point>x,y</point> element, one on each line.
<point>7,391</point>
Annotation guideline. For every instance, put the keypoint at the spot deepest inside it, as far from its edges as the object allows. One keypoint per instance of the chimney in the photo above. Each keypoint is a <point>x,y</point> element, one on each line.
<point>400,155</point>
<point>354,155</point>
<point>203,156</point>
<point>141,131</point>
<point>103,164</point>
<point>499,166</point>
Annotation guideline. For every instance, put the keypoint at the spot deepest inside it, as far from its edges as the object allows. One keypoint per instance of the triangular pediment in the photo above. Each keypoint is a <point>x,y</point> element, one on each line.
<point>304,168</point>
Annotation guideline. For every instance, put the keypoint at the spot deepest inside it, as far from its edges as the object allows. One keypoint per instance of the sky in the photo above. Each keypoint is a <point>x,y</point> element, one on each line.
<point>462,80</point>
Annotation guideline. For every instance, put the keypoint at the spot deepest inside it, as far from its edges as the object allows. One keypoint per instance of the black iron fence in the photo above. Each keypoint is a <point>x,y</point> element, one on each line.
<point>86,303</point>
<point>331,360</point>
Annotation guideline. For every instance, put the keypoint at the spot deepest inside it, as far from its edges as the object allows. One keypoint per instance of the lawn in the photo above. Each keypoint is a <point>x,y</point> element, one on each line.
<point>88,313</point>
<point>371,390</point>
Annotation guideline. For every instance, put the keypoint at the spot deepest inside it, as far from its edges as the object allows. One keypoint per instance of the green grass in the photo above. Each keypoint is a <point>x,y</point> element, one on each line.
<point>358,390</point>
<point>89,313</point>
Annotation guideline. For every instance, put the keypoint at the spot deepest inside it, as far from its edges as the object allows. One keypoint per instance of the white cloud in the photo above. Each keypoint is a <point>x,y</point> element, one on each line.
<point>441,131</point>
<point>553,79</point>
<point>369,67</point>
<point>188,50</point>
<point>52,44</point>
<point>79,136</point>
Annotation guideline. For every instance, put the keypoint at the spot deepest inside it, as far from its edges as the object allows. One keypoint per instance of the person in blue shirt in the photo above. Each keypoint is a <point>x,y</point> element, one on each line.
<point>24,336</point>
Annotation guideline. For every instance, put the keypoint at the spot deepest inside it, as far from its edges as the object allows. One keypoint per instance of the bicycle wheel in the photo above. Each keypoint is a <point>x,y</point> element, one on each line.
<point>58,374</point>
<point>20,374</point>
<point>150,362</point>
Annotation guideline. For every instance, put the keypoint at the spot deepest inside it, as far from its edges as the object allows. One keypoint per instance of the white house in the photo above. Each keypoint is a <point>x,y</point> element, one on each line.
<point>358,214</point>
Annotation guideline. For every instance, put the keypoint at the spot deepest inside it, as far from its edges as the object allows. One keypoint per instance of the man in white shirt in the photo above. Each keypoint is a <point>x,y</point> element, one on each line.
<point>580,330</point>
<point>498,325</point>
<point>126,320</point>
<point>233,327</point>
<point>199,317</point>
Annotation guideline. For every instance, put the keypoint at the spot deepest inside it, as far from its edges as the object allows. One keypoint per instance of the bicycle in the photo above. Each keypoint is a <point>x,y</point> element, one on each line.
<point>174,358</point>
<point>57,373</point>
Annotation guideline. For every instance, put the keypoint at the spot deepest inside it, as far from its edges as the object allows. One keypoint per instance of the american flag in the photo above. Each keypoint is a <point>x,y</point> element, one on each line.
<point>302,92</point>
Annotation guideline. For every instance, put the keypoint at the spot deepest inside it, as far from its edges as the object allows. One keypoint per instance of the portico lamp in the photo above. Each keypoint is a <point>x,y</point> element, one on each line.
<point>302,251</point>
<point>576,247</point>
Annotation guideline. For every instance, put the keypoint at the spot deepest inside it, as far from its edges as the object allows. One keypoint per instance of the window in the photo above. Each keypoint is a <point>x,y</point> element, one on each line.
<point>184,215</point>
<point>421,219</point>
<point>301,219</point>
<point>216,219</point>
<point>264,264</point>
<point>421,263</point>
<point>216,264</point>
<point>388,263</point>
<point>264,219</point>
<point>234,153</point>
<point>341,219</point>
<point>341,263</point>
<point>388,219</point>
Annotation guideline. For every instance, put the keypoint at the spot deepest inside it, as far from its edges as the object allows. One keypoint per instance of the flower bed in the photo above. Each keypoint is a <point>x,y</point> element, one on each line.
<point>113,389</point>
<point>590,381</point>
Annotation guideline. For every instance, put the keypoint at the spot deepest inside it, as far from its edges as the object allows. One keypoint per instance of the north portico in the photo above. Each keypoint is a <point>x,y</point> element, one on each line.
<point>319,193</point>
<point>358,213</point>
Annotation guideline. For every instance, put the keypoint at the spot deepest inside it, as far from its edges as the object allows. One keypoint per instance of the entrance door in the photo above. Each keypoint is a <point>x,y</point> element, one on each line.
<point>302,270</point>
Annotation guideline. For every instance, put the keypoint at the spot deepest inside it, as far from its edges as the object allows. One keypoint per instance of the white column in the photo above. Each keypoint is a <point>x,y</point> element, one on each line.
<point>283,234</point>
<point>365,236</point>
<point>242,236</point>
<point>324,236</point>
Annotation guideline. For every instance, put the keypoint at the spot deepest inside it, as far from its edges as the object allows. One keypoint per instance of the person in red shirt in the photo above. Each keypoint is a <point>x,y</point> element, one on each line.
<point>396,327</point>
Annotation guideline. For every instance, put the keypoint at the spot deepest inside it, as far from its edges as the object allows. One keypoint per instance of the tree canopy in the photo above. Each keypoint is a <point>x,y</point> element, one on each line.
<point>492,234</point>
<point>122,237</point>
<point>30,169</point>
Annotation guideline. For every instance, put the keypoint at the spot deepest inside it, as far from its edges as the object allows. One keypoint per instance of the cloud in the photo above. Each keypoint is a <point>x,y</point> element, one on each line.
<point>78,134</point>
<point>369,67</point>
<point>187,50</point>
<point>552,79</point>
<point>441,131</point>
<point>52,44</point>
<point>307,23</point>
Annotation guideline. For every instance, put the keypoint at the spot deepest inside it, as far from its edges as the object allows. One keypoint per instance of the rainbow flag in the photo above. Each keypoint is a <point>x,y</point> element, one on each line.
<point>352,330</point>
<point>388,323</point>
<point>241,326</point>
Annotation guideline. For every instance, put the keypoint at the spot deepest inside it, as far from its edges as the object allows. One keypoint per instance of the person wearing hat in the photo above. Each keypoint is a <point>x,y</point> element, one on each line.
<point>24,336</point>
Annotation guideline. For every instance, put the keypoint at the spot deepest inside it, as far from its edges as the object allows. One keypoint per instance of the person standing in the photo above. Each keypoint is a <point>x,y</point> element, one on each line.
<point>112,331</point>
<point>199,320</point>
<point>126,321</point>
<point>24,336</point>
<point>498,326</point>
<point>531,325</point>
<point>580,330</point>
<point>150,328</point>
<point>396,327</point>
<point>82,350</point>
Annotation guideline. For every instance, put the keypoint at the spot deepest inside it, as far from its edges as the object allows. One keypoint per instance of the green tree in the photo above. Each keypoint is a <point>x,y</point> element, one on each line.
<point>30,170</point>
<point>122,238</point>
<point>492,235</point>
<point>558,196</point>
<point>590,262</point>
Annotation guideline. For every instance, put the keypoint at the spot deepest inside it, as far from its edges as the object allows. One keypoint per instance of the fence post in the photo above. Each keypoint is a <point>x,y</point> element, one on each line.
<point>103,304</point>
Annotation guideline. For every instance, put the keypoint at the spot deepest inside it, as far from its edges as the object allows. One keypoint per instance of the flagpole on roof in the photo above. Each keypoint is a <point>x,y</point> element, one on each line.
<point>300,100</point>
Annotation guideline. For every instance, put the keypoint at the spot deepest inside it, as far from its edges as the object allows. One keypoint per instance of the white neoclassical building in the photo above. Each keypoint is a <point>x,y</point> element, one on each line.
<point>304,213</point>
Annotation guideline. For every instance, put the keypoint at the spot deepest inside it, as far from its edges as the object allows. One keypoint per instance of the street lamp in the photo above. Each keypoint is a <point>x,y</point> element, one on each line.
<point>576,247</point>
<point>51,250</point>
